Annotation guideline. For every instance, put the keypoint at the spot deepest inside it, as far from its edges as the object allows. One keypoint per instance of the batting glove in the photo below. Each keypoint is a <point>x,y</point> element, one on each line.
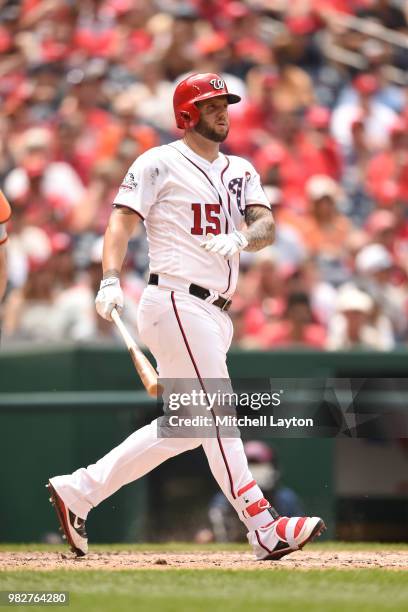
<point>225,244</point>
<point>110,296</point>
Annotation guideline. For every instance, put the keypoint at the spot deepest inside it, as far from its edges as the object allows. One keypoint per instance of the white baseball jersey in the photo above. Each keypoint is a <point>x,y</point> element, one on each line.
<point>181,197</point>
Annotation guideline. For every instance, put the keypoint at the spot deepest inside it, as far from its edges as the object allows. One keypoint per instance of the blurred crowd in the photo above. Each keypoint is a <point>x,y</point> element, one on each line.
<point>86,87</point>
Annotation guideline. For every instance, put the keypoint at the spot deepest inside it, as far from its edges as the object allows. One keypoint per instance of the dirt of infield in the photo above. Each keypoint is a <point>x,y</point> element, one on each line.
<point>303,560</point>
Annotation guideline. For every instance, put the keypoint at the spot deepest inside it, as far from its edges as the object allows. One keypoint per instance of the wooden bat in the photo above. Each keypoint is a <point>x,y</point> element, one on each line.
<point>144,368</point>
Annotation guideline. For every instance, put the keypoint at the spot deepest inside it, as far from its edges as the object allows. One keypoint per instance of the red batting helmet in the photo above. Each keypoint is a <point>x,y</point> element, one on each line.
<point>194,88</point>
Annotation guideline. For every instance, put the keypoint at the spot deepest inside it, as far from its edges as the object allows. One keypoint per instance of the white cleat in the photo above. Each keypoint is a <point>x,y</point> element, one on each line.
<point>71,525</point>
<point>284,535</point>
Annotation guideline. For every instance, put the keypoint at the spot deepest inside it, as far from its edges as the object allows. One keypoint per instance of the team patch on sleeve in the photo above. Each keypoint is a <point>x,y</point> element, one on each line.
<point>129,183</point>
<point>254,193</point>
<point>235,187</point>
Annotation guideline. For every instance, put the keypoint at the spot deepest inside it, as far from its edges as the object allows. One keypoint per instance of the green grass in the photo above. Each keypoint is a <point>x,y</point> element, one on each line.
<point>216,590</point>
<point>219,590</point>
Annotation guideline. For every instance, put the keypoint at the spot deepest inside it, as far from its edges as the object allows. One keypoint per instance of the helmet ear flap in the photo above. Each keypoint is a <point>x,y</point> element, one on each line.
<point>185,119</point>
<point>189,117</point>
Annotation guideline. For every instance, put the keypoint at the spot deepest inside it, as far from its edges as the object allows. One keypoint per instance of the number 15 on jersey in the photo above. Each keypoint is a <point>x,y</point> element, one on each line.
<point>212,223</point>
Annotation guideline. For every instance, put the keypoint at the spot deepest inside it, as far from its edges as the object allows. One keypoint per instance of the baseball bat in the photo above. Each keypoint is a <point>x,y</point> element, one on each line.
<point>144,368</point>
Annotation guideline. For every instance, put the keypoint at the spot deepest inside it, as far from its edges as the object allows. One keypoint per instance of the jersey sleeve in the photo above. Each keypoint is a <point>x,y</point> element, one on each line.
<point>141,185</point>
<point>254,193</point>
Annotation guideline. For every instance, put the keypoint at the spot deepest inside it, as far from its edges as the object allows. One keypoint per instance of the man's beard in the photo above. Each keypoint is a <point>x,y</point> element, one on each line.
<point>205,130</point>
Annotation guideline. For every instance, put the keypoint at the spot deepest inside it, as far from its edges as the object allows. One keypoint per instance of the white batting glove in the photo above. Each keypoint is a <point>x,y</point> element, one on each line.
<point>225,244</point>
<point>110,296</point>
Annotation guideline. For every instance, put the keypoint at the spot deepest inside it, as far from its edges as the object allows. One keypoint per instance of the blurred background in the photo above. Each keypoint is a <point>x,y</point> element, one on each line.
<point>86,87</point>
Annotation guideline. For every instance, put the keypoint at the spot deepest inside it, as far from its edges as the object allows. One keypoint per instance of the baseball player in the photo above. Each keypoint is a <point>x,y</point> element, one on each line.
<point>201,208</point>
<point>5,213</point>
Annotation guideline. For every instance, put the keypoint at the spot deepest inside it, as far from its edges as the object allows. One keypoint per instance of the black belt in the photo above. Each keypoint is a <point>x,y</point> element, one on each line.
<point>197,291</point>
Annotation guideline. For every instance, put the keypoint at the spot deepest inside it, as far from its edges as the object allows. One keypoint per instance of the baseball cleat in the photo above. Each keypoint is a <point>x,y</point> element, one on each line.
<point>284,535</point>
<point>71,526</point>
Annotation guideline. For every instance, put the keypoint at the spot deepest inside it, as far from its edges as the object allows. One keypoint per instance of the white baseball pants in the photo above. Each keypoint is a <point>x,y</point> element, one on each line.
<point>189,338</point>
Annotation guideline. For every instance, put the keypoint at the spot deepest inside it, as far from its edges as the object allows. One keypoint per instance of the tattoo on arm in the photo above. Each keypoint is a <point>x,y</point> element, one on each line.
<point>111,272</point>
<point>260,230</point>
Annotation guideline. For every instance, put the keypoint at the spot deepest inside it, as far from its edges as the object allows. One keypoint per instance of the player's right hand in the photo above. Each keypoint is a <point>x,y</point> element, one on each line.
<point>110,296</point>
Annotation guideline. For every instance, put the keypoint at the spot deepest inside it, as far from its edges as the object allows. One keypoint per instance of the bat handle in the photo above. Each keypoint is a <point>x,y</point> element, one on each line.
<point>121,327</point>
<point>144,368</point>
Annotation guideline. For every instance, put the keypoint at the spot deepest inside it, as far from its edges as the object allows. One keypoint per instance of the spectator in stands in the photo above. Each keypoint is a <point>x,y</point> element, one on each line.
<point>378,55</point>
<point>378,116</point>
<point>73,298</point>
<point>374,271</point>
<point>52,306</point>
<point>326,231</point>
<point>293,91</point>
<point>255,122</point>
<point>126,127</point>
<point>297,327</point>
<point>381,226</point>
<point>260,298</point>
<point>318,149</point>
<point>213,52</point>
<point>29,313</point>
<point>248,320</point>
<point>86,103</point>
<point>181,36</point>
<point>307,278</point>
<point>39,185</point>
<point>93,210</point>
<point>281,168</point>
<point>356,161</point>
<point>68,147</point>
<point>300,153</point>
<point>388,170</point>
<point>26,243</point>
<point>152,96</point>
<point>389,227</point>
<point>353,326</point>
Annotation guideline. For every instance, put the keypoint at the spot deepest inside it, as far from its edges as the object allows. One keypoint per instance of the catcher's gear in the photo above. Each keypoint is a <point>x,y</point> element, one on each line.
<point>110,296</point>
<point>194,88</point>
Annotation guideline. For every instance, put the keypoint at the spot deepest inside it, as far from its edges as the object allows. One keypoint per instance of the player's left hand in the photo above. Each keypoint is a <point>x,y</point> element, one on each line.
<point>225,244</point>
<point>110,296</point>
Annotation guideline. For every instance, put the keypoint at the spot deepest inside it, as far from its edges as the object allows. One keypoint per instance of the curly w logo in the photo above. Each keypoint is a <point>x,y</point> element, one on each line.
<point>217,83</point>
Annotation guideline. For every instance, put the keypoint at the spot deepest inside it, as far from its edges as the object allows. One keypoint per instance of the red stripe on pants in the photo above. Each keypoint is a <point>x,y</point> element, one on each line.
<point>203,387</point>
